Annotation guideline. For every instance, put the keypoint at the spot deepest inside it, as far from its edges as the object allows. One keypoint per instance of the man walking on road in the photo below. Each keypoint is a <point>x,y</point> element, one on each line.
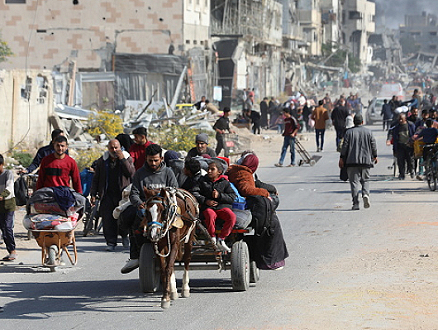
<point>358,154</point>
<point>114,171</point>
<point>58,169</point>
<point>320,115</point>
<point>290,132</point>
<point>221,127</point>
<point>339,116</point>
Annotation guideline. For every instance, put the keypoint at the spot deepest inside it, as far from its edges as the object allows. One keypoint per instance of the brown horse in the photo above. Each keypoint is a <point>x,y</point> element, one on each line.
<point>169,223</point>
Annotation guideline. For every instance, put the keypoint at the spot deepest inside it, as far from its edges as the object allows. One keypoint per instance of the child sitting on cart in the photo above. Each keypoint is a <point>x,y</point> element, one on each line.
<point>215,196</point>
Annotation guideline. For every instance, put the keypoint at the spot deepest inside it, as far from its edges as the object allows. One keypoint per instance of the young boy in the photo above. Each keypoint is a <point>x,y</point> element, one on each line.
<point>7,208</point>
<point>192,170</point>
<point>215,195</point>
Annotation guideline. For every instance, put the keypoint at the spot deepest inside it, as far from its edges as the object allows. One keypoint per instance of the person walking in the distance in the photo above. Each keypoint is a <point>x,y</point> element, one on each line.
<point>291,128</point>
<point>320,116</point>
<point>7,210</point>
<point>222,126</point>
<point>358,154</point>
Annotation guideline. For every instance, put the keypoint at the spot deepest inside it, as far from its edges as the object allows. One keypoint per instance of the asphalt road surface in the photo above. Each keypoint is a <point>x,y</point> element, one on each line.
<point>367,269</point>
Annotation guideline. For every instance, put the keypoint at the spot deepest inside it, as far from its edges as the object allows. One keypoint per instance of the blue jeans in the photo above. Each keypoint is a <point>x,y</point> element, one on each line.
<point>320,135</point>
<point>7,229</point>
<point>289,141</point>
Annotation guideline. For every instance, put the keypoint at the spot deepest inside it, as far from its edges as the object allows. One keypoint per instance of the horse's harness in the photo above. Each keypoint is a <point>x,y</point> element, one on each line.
<point>171,215</point>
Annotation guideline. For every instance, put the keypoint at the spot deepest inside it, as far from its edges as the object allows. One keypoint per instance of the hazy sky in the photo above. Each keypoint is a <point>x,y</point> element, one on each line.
<point>395,10</point>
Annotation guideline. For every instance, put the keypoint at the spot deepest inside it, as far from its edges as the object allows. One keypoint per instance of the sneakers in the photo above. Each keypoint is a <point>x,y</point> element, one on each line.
<point>291,165</point>
<point>355,207</point>
<point>125,241</point>
<point>130,266</point>
<point>318,149</point>
<point>278,165</point>
<point>222,246</point>
<point>412,175</point>
<point>214,240</point>
<point>366,201</point>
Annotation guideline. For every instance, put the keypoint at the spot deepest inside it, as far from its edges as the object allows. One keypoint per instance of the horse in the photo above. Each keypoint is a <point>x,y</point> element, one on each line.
<point>170,219</point>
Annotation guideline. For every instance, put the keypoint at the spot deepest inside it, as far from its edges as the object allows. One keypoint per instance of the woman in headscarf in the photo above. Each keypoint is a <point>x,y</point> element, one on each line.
<point>241,175</point>
<point>267,249</point>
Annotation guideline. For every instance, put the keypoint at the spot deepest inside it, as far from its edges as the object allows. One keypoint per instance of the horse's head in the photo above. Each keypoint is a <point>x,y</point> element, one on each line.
<point>156,214</point>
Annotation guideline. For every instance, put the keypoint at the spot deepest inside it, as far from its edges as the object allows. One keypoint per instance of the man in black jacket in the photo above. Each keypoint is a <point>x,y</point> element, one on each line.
<point>222,126</point>
<point>338,116</point>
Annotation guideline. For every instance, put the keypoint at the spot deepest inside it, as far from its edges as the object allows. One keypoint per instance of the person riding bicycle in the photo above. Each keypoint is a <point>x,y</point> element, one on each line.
<point>429,136</point>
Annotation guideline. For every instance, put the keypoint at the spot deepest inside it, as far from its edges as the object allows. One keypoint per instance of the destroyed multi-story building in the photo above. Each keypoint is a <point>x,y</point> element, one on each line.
<point>422,31</point>
<point>247,38</point>
<point>93,49</point>
<point>358,17</point>
<point>332,23</point>
<point>309,15</point>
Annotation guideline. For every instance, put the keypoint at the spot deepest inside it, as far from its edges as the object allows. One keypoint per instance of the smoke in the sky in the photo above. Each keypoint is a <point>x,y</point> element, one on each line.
<point>395,10</point>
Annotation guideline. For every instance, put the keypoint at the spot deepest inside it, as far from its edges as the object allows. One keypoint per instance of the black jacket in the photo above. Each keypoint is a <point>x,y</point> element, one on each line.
<point>203,190</point>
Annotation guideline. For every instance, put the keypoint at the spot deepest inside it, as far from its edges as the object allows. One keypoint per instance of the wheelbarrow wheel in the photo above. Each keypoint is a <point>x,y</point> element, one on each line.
<point>52,256</point>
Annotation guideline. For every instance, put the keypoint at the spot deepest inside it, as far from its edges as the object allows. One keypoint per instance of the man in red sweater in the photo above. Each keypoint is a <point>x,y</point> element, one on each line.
<point>57,169</point>
<point>137,150</point>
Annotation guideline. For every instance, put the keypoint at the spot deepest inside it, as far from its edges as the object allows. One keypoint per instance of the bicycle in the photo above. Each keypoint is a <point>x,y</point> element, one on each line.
<point>431,166</point>
<point>92,220</point>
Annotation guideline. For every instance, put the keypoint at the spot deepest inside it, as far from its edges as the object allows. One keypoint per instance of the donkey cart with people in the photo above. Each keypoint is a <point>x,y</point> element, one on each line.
<point>174,236</point>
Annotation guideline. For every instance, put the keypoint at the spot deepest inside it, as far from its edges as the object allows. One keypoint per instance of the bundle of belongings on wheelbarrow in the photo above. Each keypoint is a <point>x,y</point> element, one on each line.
<point>54,208</point>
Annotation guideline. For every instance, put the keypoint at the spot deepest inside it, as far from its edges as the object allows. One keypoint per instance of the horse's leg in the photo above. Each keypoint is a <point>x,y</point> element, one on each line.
<point>187,257</point>
<point>173,290</point>
<point>174,240</point>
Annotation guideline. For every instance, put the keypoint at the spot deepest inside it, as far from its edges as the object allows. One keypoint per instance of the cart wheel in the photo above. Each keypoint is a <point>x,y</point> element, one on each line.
<point>240,266</point>
<point>88,225</point>
<point>51,261</point>
<point>312,162</point>
<point>254,272</point>
<point>149,269</point>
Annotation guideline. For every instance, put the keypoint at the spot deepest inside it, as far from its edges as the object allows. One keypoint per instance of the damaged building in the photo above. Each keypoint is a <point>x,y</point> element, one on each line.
<point>247,38</point>
<point>83,44</point>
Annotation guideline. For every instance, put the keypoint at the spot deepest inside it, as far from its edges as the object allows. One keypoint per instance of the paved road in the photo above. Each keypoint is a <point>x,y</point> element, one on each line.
<point>367,269</point>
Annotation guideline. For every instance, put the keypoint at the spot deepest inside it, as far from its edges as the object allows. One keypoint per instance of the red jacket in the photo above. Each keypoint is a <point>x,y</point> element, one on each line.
<point>56,172</point>
<point>138,154</point>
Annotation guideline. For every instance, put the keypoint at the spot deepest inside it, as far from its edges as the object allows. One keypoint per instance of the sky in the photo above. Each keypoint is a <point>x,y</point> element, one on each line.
<point>395,10</point>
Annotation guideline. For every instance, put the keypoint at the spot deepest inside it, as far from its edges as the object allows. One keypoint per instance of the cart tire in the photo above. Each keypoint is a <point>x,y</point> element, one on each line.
<point>312,162</point>
<point>431,180</point>
<point>254,272</point>
<point>240,266</point>
<point>52,255</point>
<point>88,226</point>
<point>149,269</point>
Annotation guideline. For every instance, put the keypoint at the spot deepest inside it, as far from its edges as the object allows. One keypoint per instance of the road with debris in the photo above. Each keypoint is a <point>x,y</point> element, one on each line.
<point>367,269</point>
